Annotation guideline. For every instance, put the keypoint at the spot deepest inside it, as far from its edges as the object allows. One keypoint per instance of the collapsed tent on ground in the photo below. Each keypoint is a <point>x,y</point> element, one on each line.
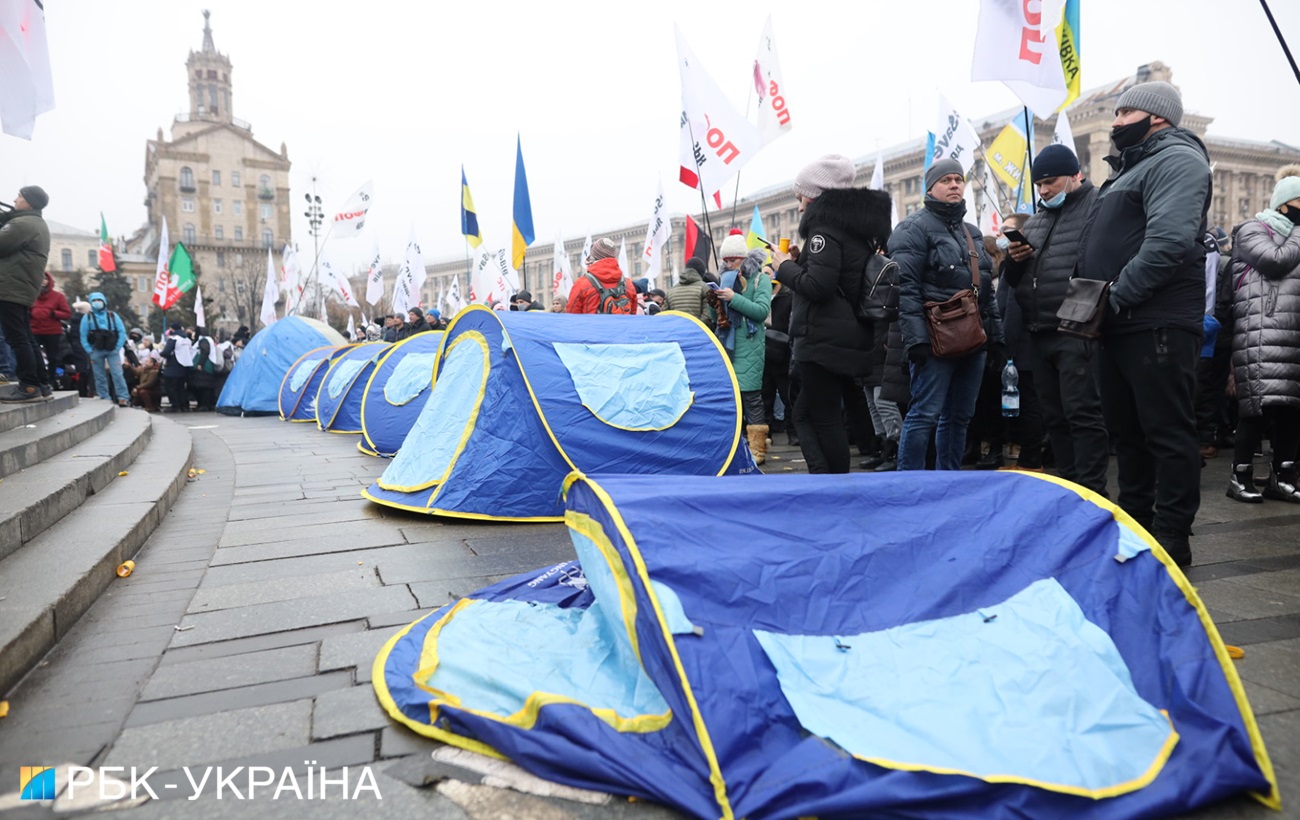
<point>392,399</point>
<point>253,386</point>
<point>520,399</point>
<point>338,402</point>
<point>912,645</point>
<point>300,385</point>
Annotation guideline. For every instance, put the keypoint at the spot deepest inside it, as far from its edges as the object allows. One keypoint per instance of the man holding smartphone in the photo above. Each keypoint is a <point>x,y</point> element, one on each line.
<point>1040,262</point>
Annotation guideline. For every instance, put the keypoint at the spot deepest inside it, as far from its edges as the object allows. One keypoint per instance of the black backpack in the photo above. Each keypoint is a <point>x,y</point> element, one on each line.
<point>878,296</point>
<point>611,300</point>
<point>100,338</point>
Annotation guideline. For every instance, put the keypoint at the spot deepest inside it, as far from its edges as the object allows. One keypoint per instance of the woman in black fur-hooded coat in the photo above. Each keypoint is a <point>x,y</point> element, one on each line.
<point>841,228</point>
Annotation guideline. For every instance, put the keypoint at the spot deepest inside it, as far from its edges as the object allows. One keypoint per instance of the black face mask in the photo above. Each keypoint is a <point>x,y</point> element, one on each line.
<point>1292,214</point>
<point>1126,136</point>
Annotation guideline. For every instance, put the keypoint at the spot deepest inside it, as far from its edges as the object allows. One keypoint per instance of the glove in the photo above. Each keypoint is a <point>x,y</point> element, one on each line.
<point>917,354</point>
<point>997,358</point>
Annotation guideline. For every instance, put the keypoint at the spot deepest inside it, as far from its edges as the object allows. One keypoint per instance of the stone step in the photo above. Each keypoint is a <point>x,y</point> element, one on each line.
<point>42,494</point>
<point>20,415</point>
<point>49,582</point>
<point>37,440</point>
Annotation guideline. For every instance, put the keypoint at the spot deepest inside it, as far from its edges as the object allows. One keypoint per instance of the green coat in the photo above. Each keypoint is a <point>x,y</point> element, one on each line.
<point>747,359</point>
<point>24,250</point>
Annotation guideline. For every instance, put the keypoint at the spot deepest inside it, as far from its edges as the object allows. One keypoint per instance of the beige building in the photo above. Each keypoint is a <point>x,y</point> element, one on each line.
<point>75,252</point>
<point>223,194</point>
<point>1243,182</point>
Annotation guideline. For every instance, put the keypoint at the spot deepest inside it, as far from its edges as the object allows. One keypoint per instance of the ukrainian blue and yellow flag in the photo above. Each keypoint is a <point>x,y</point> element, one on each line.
<point>523,223</point>
<point>468,216</point>
<point>1067,34</point>
<point>1008,156</point>
<point>757,236</point>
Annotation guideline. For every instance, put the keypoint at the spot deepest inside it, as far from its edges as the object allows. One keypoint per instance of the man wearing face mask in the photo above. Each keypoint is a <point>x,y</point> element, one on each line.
<point>1064,367</point>
<point>1144,238</point>
<point>102,335</point>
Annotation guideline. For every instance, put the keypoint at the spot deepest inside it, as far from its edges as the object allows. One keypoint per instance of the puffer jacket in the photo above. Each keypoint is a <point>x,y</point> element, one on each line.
<point>584,298</point>
<point>1266,318</point>
<point>50,310</point>
<point>754,303</point>
<point>101,319</point>
<point>841,229</point>
<point>24,250</point>
<point>1041,280</point>
<point>688,295</point>
<point>933,262</point>
<point>1147,229</point>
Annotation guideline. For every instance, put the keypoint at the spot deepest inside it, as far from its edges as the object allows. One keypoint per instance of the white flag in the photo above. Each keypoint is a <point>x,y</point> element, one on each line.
<point>773,114</point>
<point>990,214</point>
<point>352,329</point>
<point>1015,42</point>
<point>410,278</point>
<point>562,279</point>
<point>715,140</point>
<point>337,281</point>
<point>507,278</point>
<point>1061,134</point>
<point>586,252</point>
<point>271,292</point>
<point>878,183</point>
<point>292,279</point>
<point>656,235</point>
<point>622,258</point>
<point>349,221</point>
<point>954,138</point>
<point>200,319</point>
<point>677,276</point>
<point>452,303</point>
<point>161,277</point>
<point>374,278</point>
<point>28,86</point>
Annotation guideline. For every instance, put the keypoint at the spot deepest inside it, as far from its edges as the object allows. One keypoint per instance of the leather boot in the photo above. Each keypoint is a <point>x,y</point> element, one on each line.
<point>1241,486</point>
<point>890,453</point>
<point>1282,484</point>
<point>791,437</point>
<point>757,434</point>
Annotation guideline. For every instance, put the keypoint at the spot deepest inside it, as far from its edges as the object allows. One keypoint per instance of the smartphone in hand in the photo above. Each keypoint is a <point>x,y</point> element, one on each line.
<point>1016,236</point>
<point>712,286</point>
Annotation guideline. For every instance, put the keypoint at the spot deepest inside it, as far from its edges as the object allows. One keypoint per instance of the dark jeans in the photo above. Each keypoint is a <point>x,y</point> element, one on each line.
<point>1148,394</point>
<point>943,401</point>
<point>818,418</point>
<point>6,356</point>
<point>1285,437</point>
<point>177,393</point>
<point>1211,396</point>
<point>29,367</point>
<point>1065,378</point>
<point>751,405</point>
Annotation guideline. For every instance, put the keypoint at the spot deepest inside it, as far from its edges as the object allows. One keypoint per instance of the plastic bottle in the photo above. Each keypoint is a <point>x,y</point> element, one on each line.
<point>1010,389</point>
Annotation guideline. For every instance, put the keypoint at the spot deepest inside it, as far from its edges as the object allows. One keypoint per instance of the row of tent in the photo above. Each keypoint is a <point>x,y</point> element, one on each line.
<point>907,645</point>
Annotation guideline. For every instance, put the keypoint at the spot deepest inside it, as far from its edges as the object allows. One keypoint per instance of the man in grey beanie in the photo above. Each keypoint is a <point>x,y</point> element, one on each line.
<point>1143,237</point>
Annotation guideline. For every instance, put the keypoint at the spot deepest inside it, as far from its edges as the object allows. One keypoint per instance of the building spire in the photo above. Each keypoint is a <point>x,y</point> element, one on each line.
<point>208,45</point>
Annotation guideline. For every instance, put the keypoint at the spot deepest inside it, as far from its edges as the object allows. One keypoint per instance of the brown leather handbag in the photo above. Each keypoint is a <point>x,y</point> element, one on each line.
<point>955,325</point>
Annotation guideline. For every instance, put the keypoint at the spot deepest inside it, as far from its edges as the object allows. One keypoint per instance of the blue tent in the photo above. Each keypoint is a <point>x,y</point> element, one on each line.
<point>392,402</point>
<point>253,386</point>
<point>520,399</point>
<point>303,380</point>
<point>914,645</point>
<point>338,401</point>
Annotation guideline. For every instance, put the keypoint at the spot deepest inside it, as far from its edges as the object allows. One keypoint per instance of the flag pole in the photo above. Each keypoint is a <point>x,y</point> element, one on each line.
<point>1280,39</point>
<point>1027,177</point>
<point>699,183</point>
<point>735,199</point>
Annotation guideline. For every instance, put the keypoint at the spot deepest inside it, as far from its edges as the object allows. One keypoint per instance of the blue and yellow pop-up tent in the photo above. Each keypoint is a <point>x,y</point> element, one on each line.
<point>521,399</point>
<point>302,382</point>
<point>915,645</point>
<point>253,387</point>
<point>392,400</point>
<point>338,401</point>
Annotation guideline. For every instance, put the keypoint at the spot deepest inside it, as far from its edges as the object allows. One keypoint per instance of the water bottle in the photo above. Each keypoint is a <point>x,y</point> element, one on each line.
<point>1010,390</point>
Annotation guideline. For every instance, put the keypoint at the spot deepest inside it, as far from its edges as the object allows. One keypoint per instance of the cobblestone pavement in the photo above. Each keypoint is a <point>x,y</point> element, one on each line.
<point>246,635</point>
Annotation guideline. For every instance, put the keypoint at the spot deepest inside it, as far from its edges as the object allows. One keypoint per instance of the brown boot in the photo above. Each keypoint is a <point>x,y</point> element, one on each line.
<point>757,434</point>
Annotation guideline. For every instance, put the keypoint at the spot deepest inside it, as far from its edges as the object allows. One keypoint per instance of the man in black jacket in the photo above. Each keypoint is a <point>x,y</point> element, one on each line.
<point>1064,367</point>
<point>1144,237</point>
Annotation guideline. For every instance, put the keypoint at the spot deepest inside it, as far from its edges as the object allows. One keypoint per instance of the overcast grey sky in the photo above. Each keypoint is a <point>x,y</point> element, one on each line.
<point>404,93</point>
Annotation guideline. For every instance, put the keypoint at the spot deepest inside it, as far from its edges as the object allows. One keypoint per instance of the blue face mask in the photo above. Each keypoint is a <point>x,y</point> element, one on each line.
<point>1056,201</point>
<point>1002,242</point>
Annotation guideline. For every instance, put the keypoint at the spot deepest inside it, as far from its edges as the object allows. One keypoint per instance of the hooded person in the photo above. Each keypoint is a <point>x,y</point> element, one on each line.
<point>48,315</point>
<point>24,250</point>
<point>841,227</point>
<point>602,288</point>
<point>687,296</point>
<point>103,333</point>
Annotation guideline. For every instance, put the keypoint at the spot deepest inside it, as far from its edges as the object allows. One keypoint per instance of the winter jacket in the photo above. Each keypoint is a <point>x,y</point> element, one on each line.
<point>754,303</point>
<point>840,229</point>
<point>50,310</point>
<point>584,298</point>
<point>171,369</point>
<point>688,295</point>
<point>101,318</point>
<point>1041,280</point>
<point>778,328</point>
<point>1266,318</point>
<point>896,382</point>
<point>24,250</point>
<point>1146,230</point>
<point>413,328</point>
<point>933,259</point>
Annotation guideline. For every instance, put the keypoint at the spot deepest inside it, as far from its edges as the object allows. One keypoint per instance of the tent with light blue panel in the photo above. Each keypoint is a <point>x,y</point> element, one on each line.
<point>338,401</point>
<point>301,384</point>
<point>395,392</point>
<point>912,645</point>
<point>520,399</point>
<point>253,386</point>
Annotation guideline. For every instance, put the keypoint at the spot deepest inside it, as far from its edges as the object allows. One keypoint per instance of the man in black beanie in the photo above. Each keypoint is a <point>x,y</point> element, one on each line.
<point>1064,367</point>
<point>24,250</point>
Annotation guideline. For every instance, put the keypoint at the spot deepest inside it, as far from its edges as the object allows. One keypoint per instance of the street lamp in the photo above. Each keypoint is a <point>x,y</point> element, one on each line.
<point>315,217</point>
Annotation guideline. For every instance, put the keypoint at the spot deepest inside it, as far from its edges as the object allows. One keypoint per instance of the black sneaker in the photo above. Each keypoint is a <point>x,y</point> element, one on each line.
<point>21,393</point>
<point>47,392</point>
<point>1176,545</point>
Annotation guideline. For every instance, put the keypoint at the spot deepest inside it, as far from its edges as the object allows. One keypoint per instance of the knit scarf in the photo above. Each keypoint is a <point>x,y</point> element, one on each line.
<point>732,279</point>
<point>1275,220</point>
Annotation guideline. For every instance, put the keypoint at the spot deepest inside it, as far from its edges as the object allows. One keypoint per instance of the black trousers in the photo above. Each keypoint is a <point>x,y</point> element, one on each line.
<point>177,393</point>
<point>1148,395</point>
<point>29,366</point>
<point>776,381</point>
<point>1211,396</point>
<point>1285,437</point>
<point>1065,378</point>
<point>818,418</point>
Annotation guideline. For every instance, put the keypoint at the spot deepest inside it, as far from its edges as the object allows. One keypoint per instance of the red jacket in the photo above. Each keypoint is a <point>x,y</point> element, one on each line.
<point>49,311</point>
<point>584,298</point>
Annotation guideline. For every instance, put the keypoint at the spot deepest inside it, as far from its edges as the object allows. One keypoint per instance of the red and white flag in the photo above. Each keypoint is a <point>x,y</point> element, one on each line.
<point>562,279</point>
<point>349,221</point>
<point>162,278</point>
<point>332,276</point>
<point>773,112</point>
<point>292,280</point>
<point>1016,42</point>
